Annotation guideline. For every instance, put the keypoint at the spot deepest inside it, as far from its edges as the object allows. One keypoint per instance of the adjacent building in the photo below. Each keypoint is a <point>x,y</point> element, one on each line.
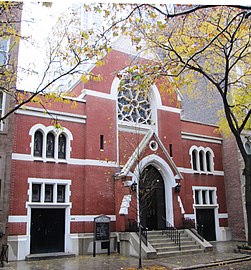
<point>10,19</point>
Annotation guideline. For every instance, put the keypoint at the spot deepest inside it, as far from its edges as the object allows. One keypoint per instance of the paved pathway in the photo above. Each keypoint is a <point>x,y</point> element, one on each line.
<point>222,251</point>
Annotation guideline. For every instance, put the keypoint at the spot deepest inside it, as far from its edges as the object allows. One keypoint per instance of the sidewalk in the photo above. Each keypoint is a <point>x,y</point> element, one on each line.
<point>223,251</point>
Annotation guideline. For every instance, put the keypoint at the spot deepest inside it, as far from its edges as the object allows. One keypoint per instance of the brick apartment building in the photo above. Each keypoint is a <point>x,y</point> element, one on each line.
<point>8,59</point>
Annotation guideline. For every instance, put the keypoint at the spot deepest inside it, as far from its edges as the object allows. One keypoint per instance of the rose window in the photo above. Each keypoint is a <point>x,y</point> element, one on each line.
<point>133,105</point>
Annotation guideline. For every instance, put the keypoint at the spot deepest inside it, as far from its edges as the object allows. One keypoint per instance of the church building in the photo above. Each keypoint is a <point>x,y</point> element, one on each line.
<point>119,153</point>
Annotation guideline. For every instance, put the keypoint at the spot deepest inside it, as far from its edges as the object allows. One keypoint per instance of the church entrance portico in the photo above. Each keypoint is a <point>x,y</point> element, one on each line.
<point>155,184</point>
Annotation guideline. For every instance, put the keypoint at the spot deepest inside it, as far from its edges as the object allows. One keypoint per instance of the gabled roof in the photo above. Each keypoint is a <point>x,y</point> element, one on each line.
<point>138,151</point>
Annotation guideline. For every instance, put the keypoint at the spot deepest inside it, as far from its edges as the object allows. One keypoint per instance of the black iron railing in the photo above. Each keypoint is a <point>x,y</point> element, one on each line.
<point>194,227</point>
<point>144,234</point>
<point>4,255</point>
<point>133,226</point>
<point>172,233</point>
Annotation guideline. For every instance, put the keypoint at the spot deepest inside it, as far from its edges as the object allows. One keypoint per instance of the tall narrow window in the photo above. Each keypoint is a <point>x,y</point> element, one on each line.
<point>61,146</point>
<point>3,51</point>
<point>194,159</point>
<point>50,145</point>
<point>197,200</point>
<point>48,193</point>
<point>60,193</point>
<point>101,142</point>
<point>201,156</point>
<point>1,103</point>
<point>38,144</point>
<point>204,198</point>
<point>208,160</point>
<point>211,196</point>
<point>1,108</point>
<point>171,150</point>
<point>36,192</point>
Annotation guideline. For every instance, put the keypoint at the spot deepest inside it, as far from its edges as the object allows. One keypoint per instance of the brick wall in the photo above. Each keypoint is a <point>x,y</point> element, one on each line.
<point>233,188</point>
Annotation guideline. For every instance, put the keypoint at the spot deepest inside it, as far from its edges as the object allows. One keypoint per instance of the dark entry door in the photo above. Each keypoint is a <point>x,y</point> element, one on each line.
<point>152,199</point>
<point>205,217</point>
<point>47,230</point>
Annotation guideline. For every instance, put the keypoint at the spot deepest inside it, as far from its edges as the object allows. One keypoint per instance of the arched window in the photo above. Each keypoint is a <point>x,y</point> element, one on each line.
<point>194,159</point>
<point>38,144</point>
<point>133,102</point>
<point>47,144</point>
<point>201,157</point>
<point>62,146</point>
<point>209,161</point>
<point>50,145</point>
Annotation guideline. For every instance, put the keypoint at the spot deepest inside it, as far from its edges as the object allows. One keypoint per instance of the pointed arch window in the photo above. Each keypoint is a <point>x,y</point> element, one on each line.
<point>62,146</point>
<point>202,159</point>
<point>38,144</point>
<point>209,161</point>
<point>50,145</point>
<point>194,159</point>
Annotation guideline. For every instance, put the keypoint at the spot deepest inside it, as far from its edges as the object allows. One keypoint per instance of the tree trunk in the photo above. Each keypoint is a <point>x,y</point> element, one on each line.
<point>247,173</point>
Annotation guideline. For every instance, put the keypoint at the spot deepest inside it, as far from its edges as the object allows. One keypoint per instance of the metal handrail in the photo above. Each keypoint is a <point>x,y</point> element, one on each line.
<point>197,229</point>
<point>134,227</point>
<point>172,232</point>
<point>4,254</point>
<point>143,234</point>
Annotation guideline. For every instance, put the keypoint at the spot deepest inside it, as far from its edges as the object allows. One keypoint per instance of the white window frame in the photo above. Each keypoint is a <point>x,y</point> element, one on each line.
<point>200,190</point>
<point>45,131</point>
<point>67,205</point>
<point>55,183</point>
<point>204,151</point>
<point>2,112</point>
<point>6,52</point>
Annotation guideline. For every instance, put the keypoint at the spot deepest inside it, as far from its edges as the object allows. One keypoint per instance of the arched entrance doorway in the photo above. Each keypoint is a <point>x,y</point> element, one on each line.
<point>152,199</point>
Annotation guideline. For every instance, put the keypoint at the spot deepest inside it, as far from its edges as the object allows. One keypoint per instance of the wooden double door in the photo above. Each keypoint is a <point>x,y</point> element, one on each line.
<point>47,230</point>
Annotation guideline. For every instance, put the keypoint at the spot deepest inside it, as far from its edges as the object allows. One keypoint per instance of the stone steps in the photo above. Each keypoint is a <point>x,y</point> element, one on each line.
<point>176,253</point>
<point>165,247</point>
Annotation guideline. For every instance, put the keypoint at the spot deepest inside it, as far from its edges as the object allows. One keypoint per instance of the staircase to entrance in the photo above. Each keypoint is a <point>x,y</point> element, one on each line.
<point>165,246</point>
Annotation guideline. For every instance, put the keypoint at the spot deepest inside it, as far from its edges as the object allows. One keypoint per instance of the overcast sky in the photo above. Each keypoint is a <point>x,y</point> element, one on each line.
<point>37,21</point>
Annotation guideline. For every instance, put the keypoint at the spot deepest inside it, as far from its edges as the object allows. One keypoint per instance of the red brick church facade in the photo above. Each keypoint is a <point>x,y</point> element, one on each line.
<point>63,178</point>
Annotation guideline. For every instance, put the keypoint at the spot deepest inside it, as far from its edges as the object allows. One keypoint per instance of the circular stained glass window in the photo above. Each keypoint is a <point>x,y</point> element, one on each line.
<point>133,103</point>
